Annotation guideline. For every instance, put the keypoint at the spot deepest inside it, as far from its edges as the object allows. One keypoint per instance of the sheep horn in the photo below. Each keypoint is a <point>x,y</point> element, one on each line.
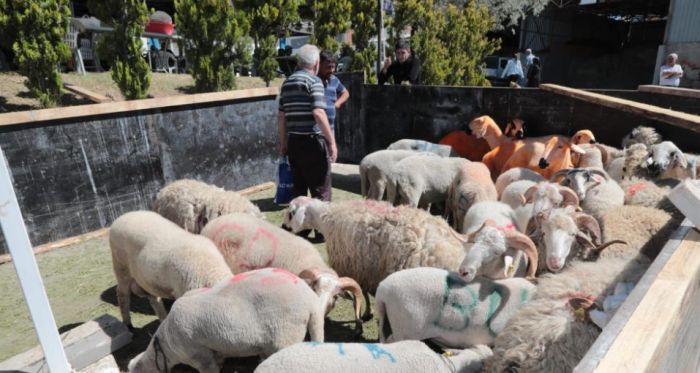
<point>610,243</point>
<point>554,177</point>
<point>312,274</point>
<point>597,171</point>
<point>523,243</point>
<point>460,237</point>
<point>570,197</point>
<point>471,236</point>
<point>348,284</point>
<point>527,197</point>
<point>589,223</point>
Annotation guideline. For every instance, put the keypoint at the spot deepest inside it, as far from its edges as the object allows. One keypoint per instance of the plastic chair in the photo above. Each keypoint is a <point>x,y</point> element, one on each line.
<point>71,38</point>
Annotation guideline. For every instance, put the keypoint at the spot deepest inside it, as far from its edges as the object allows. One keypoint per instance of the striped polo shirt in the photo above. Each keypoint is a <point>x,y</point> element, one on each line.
<point>300,94</point>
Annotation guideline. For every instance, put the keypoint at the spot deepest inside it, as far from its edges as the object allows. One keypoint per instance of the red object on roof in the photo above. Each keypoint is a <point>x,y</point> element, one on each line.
<point>160,27</point>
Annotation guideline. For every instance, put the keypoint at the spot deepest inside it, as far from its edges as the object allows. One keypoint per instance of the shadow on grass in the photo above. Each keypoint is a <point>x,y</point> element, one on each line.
<point>268,205</point>
<point>138,304</point>
<point>140,340</point>
<point>187,90</point>
<point>6,108</point>
<point>69,327</point>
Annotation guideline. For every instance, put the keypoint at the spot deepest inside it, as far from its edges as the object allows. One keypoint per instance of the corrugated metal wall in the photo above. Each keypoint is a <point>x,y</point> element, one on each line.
<point>685,22</point>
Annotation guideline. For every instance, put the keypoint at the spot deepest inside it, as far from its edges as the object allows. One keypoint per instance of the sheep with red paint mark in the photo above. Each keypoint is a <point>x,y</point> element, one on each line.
<point>400,357</point>
<point>437,305</point>
<point>472,184</point>
<point>154,257</point>
<point>191,204</point>
<point>248,243</point>
<point>253,314</point>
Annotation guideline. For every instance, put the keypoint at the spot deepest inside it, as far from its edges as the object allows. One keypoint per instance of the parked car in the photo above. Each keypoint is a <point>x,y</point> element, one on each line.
<point>494,69</point>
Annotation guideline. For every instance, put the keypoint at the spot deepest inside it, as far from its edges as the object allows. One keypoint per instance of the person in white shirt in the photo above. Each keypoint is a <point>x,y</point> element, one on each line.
<point>529,58</point>
<point>513,70</point>
<point>671,72</point>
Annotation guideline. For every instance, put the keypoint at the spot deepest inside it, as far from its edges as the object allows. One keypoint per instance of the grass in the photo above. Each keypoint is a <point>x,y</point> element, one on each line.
<point>14,95</point>
<point>80,285</point>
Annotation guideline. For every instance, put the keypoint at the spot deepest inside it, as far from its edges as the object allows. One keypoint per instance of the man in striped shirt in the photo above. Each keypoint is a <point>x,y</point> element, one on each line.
<point>304,132</point>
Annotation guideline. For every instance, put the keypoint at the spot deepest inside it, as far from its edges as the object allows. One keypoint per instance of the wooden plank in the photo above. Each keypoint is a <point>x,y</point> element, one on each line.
<point>684,354</point>
<point>686,197</point>
<point>647,337</point>
<point>37,116</point>
<point>90,95</point>
<point>84,346</point>
<point>62,243</point>
<point>675,91</point>
<point>257,188</point>
<point>688,121</point>
<point>601,346</point>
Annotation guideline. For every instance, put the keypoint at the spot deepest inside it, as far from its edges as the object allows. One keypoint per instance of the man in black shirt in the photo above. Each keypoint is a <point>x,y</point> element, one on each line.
<point>406,68</point>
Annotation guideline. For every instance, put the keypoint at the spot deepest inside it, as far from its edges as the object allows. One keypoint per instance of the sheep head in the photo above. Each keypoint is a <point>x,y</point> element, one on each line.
<point>516,129</point>
<point>664,157</point>
<point>547,196</point>
<point>303,213</point>
<point>583,137</point>
<point>558,151</point>
<point>580,180</point>
<point>641,135</point>
<point>329,287</point>
<point>489,255</point>
<point>481,125</point>
<point>635,161</point>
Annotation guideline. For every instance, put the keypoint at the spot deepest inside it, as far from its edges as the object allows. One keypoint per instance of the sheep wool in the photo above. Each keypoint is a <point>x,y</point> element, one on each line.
<point>400,357</point>
<point>375,167</point>
<point>472,184</point>
<point>645,230</point>
<point>251,314</point>
<point>516,174</point>
<point>420,181</point>
<point>423,146</point>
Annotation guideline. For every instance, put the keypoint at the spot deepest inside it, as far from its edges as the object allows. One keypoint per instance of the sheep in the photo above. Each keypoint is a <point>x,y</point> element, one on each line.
<point>527,199</point>
<point>191,204</point>
<point>154,257</point>
<point>594,187</point>
<point>641,135</point>
<point>667,161</point>
<point>516,174</point>
<point>401,357</point>
<point>516,129</point>
<point>642,192</point>
<point>420,181</point>
<point>593,157</point>
<point>633,164</point>
<point>369,240</point>
<point>644,229</point>
<point>248,243</point>
<point>253,313</point>
<point>467,146</point>
<point>584,137</point>
<point>430,303</point>
<point>499,249</point>
<point>423,146</point>
<point>560,229</point>
<point>472,184</point>
<point>551,333</point>
<point>547,157</point>
<point>375,168</point>
<point>501,147</point>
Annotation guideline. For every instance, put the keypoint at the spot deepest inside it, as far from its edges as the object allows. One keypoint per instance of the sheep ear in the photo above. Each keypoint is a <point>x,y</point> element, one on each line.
<point>299,216</point>
<point>508,128</point>
<point>681,158</point>
<point>577,149</point>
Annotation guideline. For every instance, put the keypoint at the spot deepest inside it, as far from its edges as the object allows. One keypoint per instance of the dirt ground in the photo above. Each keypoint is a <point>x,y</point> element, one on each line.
<point>14,95</point>
<point>80,285</point>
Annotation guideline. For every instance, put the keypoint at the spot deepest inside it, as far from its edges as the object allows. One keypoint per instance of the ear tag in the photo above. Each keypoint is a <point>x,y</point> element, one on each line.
<point>509,266</point>
<point>650,161</point>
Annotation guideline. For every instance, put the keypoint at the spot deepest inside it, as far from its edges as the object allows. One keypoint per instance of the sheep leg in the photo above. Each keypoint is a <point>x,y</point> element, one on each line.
<point>205,361</point>
<point>369,312</point>
<point>158,307</point>
<point>378,189</point>
<point>124,284</point>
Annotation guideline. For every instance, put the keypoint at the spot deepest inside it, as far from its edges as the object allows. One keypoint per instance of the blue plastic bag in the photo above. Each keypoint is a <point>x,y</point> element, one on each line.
<point>285,183</point>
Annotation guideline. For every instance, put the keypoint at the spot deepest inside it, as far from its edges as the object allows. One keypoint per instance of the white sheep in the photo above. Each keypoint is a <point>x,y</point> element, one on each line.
<point>499,249</point>
<point>369,240</point>
<point>191,204</point>
<point>154,257</point>
<point>375,167</point>
<point>400,357</point>
<point>633,164</point>
<point>419,181</point>
<point>248,243</point>
<point>594,187</point>
<point>594,156</point>
<point>253,314</point>
<point>472,184</point>
<point>547,335</point>
<point>644,229</point>
<point>516,174</point>
<point>528,199</point>
<point>434,304</point>
<point>667,161</point>
<point>642,192</point>
<point>641,135</point>
<point>424,146</point>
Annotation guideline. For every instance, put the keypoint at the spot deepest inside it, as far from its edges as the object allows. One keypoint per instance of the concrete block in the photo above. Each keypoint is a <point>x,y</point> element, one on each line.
<point>105,365</point>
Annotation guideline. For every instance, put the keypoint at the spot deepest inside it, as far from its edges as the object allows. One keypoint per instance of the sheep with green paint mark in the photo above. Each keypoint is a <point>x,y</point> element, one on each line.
<point>401,357</point>
<point>431,303</point>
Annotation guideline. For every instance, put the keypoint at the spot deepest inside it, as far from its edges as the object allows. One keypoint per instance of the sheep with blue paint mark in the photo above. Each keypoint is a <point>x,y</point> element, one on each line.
<point>400,357</point>
<point>424,146</point>
<point>431,303</point>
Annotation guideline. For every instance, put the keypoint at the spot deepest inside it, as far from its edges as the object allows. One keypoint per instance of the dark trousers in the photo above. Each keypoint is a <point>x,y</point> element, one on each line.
<point>514,78</point>
<point>310,162</point>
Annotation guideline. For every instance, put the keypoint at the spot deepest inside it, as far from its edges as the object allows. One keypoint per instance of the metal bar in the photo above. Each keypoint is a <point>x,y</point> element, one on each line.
<point>28,273</point>
<point>380,43</point>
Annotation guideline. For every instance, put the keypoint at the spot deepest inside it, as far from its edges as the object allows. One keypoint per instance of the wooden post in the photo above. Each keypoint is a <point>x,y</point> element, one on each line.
<point>17,240</point>
<point>380,43</point>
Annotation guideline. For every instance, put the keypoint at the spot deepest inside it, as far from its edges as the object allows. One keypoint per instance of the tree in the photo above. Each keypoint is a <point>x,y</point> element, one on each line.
<point>266,57</point>
<point>123,46</point>
<point>267,18</point>
<point>505,12</point>
<point>364,25</point>
<point>332,18</point>
<point>36,29</point>
<point>212,29</point>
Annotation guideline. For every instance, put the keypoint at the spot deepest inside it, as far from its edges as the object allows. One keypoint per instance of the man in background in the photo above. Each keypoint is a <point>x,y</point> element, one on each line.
<point>406,68</point>
<point>336,94</point>
<point>671,72</point>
